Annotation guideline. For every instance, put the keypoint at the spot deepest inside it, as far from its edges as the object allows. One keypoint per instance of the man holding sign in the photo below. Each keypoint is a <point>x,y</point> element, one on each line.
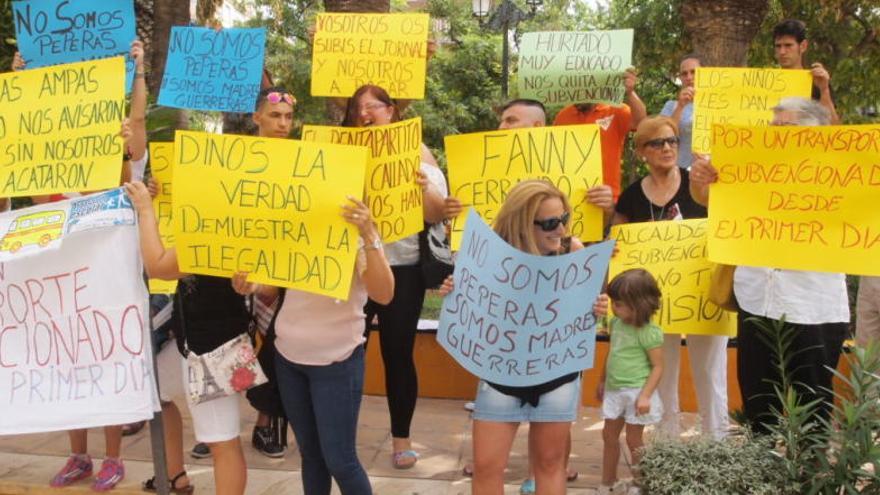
<point>812,305</point>
<point>789,45</point>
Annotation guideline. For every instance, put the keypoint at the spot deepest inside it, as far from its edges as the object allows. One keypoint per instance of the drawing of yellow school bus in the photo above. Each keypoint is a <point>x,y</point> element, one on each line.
<point>39,228</point>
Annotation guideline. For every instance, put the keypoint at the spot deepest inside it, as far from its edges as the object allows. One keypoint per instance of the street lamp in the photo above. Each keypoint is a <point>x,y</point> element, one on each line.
<point>506,17</point>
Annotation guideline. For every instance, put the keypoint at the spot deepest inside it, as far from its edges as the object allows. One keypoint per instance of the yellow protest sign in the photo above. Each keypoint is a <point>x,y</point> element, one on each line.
<point>394,198</point>
<point>270,207</point>
<point>801,198</point>
<point>675,253</point>
<point>741,96</point>
<point>161,158</point>
<point>60,126</point>
<point>483,166</point>
<point>388,50</point>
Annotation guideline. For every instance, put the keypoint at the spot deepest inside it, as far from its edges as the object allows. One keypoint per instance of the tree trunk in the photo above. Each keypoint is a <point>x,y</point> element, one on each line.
<point>721,30</point>
<point>166,13</point>
<point>380,6</point>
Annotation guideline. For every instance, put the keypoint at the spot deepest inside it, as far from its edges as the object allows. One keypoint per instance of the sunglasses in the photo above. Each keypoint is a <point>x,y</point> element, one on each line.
<point>658,143</point>
<point>550,224</point>
<point>278,97</point>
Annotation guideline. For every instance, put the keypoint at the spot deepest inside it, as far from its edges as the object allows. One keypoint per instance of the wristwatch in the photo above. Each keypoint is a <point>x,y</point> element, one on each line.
<point>376,244</point>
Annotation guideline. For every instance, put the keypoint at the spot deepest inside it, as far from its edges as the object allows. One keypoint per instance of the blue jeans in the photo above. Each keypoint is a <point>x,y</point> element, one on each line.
<point>322,404</point>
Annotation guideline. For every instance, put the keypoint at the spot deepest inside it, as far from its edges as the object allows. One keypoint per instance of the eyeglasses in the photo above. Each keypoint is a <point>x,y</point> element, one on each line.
<point>550,224</point>
<point>369,107</point>
<point>660,142</point>
<point>278,97</point>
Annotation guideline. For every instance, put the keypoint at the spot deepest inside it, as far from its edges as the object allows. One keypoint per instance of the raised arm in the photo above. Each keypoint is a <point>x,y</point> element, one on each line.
<point>636,105</point>
<point>377,277</point>
<point>702,175</point>
<point>159,262</point>
<point>137,113</point>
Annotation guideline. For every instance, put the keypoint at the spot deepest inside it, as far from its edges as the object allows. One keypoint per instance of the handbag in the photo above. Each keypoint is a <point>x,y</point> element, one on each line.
<point>435,255</point>
<point>230,368</point>
<point>721,287</point>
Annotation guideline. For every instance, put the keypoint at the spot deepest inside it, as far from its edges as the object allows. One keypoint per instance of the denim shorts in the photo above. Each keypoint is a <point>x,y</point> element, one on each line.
<point>559,405</point>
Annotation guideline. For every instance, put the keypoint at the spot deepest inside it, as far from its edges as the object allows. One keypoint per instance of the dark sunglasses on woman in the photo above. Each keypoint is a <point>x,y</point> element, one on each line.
<point>550,224</point>
<point>659,142</point>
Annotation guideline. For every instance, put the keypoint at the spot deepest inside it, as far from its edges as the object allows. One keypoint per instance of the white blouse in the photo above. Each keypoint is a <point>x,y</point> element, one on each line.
<point>806,298</point>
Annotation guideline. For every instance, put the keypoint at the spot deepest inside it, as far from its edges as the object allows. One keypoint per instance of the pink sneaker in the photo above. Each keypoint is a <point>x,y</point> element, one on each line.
<point>78,467</point>
<point>112,472</point>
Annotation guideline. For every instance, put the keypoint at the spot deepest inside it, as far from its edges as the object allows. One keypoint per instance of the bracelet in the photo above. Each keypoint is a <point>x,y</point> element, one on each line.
<point>375,245</point>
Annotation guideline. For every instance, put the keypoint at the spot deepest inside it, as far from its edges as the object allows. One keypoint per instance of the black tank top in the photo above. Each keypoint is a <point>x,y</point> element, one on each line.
<point>210,311</point>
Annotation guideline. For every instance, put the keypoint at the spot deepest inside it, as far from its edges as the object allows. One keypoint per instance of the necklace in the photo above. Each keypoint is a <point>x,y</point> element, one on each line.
<point>662,214</point>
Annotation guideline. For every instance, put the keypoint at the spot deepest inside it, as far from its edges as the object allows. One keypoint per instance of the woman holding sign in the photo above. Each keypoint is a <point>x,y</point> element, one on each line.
<point>371,106</point>
<point>664,195</point>
<point>534,218</point>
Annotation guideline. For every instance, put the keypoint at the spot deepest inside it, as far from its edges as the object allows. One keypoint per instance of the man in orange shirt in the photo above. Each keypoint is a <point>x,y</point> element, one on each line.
<point>615,122</point>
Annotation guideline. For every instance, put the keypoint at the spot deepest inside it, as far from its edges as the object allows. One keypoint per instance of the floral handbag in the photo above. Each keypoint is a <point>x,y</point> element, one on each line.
<point>228,369</point>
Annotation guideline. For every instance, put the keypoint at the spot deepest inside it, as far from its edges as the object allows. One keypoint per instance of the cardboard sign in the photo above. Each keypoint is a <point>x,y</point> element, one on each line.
<point>59,128</point>
<point>393,196</point>
<point>213,70</point>
<point>387,50</point>
<point>75,346</point>
<point>675,254</point>
<point>483,166</point>
<point>741,96</point>
<point>519,319</point>
<point>161,159</point>
<point>53,32</point>
<point>559,68</point>
<point>270,207</point>
<point>801,198</point>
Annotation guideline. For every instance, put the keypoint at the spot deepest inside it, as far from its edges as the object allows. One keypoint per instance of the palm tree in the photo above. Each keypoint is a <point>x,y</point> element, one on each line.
<point>721,30</point>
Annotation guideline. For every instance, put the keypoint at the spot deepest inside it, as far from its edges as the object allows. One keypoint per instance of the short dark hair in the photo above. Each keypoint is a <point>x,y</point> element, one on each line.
<point>691,55</point>
<point>638,289</point>
<point>353,104</point>
<point>524,102</point>
<point>261,97</point>
<point>791,27</point>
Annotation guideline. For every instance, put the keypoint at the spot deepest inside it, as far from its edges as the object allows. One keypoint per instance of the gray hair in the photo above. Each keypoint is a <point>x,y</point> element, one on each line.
<point>809,112</point>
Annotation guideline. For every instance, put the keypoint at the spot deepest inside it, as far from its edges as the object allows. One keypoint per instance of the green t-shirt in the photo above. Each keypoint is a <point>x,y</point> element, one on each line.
<point>628,362</point>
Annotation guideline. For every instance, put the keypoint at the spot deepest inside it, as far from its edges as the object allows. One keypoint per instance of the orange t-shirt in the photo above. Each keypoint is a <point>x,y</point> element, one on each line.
<point>614,124</point>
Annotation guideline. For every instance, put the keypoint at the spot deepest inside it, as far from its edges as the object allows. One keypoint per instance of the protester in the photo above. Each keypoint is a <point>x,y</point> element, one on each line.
<point>789,46</point>
<point>814,305</point>
<point>681,110</point>
<point>632,370</point>
<point>615,122</point>
<point>320,362</point>
<point>520,114</point>
<point>868,311</point>
<point>532,219</point>
<point>664,194</point>
<point>371,106</point>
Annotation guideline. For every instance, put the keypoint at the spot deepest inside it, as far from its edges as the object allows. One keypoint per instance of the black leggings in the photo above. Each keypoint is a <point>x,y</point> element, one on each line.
<point>397,335</point>
<point>814,349</point>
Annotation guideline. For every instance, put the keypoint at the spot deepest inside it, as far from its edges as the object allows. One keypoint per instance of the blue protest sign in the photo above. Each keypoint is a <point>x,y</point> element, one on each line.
<point>519,319</point>
<point>53,32</point>
<point>213,70</point>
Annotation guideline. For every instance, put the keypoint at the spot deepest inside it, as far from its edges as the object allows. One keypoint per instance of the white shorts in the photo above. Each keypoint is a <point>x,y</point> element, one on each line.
<point>622,403</point>
<point>214,421</point>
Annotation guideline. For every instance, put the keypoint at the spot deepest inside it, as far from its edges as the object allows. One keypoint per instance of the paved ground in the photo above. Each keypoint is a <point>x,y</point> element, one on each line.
<point>441,433</point>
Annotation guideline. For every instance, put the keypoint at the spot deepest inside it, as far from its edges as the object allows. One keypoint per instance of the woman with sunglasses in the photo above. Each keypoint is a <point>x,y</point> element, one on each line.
<point>664,194</point>
<point>372,106</point>
<point>534,219</point>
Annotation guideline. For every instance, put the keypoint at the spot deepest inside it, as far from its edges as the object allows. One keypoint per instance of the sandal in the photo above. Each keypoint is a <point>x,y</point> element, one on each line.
<point>468,470</point>
<point>404,459</point>
<point>150,485</point>
<point>571,475</point>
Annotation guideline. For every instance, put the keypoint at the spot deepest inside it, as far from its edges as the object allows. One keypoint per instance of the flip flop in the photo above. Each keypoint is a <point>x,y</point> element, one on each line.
<point>150,485</point>
<point>404,459</point>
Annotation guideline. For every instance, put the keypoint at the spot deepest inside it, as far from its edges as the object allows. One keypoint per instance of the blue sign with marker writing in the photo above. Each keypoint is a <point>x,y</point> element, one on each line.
<point>213,70</point>
<point>519,319</point>
<point>53,32</point>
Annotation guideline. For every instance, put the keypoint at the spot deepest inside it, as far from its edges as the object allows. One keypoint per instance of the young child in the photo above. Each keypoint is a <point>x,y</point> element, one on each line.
<point>631,371</point>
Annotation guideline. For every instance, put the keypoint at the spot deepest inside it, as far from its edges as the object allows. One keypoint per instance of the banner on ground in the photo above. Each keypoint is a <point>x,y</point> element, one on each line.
<point>394,197</point>
<point>270,207</point>
<point>559,68</point>
<point>484,166</point>
<point>387,50</point>
<point>674,252</point>
<point>59,128</point>
<point>519,319</point>
<point>800,198</point>
<point>161,158</point>
<point>53,32</point>
<point>213,70</point>
<point>74,345</point>
<point>741,96</point>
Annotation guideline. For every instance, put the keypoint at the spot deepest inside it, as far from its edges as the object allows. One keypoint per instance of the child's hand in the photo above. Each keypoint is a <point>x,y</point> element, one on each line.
<point>600,390</point>
<point>153,187</point>
<point>643,405</point>
<point>447,287</point>
<point>600,307</point>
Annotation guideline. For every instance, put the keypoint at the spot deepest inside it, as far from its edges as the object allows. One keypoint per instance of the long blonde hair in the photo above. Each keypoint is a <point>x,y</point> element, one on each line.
<point>515,220</point>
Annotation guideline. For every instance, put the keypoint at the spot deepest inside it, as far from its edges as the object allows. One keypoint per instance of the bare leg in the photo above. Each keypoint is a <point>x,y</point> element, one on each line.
<point>173,426</point>
<point>113,440</point>
<point>230,471</point>
<point>611,449</point>
<point>78,441</point>
<point>635,443</point>
<point>492,442</point>
<point>548,456</point>
<point>262,419</point>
